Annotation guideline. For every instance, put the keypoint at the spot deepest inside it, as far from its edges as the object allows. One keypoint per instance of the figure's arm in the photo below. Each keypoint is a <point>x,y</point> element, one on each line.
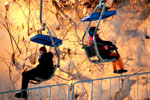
<point>46,59</point>
<point>102,42</point>
<point>107,43</point>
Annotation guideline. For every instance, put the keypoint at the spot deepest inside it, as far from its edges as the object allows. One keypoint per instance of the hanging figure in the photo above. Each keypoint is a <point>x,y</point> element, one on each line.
<point>105,48</point>
<point>43,70</point>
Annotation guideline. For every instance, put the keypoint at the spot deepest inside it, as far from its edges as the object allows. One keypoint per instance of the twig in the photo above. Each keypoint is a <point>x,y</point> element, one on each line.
<point>8,69</point>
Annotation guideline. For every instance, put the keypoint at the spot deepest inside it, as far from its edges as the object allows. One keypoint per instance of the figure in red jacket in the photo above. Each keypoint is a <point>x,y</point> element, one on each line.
<point>104,51</point>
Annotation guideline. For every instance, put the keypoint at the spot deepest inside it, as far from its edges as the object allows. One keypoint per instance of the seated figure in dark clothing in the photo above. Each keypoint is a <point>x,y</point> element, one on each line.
<point>104,50</point>
<point>43,70</point>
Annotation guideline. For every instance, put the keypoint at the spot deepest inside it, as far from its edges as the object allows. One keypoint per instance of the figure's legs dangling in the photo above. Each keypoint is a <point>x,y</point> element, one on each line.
<point>26,76</point>
<point>118,64</point>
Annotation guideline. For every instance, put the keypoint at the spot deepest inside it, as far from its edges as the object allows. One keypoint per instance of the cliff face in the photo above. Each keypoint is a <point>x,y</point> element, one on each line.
<point>19,21</point>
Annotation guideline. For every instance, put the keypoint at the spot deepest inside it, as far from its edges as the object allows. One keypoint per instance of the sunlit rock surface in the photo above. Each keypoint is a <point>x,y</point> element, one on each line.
<point>129,30</point>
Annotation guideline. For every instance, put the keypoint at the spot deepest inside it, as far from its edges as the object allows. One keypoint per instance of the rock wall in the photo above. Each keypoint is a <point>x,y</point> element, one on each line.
<point>129,30</point>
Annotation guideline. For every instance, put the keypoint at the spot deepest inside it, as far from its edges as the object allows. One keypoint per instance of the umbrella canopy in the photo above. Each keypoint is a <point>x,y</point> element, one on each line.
<point>96,15</point>
<point>45,40</point>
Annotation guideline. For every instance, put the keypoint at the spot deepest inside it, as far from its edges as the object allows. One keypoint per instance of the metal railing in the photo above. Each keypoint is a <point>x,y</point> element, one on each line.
<point>113,88</point>
<point>52,92</point>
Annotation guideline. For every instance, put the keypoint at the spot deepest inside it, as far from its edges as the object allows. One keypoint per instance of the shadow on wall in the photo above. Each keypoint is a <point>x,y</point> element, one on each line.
<point>142,56</point>
<point>141,52</point>
<point>131,34</point>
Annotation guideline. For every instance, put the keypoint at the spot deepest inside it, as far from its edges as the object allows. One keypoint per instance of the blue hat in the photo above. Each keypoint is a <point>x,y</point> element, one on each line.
<point>91,30</point>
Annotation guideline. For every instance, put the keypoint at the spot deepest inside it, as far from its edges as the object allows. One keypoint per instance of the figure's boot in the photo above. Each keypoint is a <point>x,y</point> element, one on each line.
<point>120,71</point>
<point>118,66</point>
<point>22,94</point>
